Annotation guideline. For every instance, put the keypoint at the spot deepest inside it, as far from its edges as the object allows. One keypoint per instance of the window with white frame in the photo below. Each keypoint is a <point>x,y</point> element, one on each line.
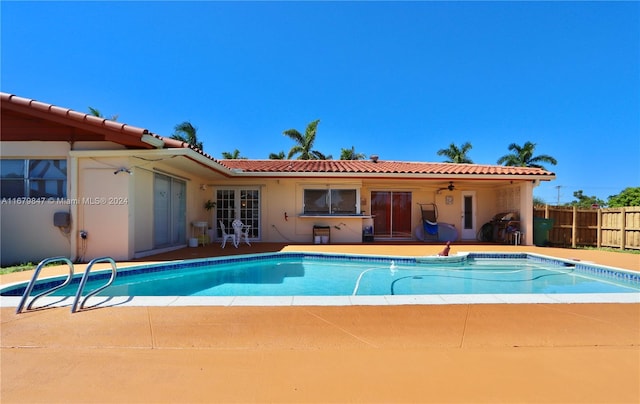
<point>330,201</point>
<point>33,178</point>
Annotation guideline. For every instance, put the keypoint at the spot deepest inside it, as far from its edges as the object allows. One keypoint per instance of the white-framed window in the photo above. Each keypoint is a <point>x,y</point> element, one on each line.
<point>33,178</point>
<point>331,201</point>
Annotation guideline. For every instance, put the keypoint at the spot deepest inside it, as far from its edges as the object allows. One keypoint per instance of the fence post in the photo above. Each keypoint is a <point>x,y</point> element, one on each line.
<point>574,229</point>
<point>599,230</point>
<point>623,229</point>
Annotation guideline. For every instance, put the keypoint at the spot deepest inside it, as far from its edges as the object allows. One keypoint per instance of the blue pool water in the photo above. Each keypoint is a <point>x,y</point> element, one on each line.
<point>300,274</point>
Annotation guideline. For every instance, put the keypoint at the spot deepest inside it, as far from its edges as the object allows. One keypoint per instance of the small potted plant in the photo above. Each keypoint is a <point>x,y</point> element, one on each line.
<point>209,204</point>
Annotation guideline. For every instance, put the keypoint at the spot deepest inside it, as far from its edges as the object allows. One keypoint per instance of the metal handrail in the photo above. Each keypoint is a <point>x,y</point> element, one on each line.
<point>85,277</point>
<point>32,283</point>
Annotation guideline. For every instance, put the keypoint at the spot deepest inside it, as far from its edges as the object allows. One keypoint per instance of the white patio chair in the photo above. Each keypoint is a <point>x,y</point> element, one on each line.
<point>227,236</point>
<point>241,230</point>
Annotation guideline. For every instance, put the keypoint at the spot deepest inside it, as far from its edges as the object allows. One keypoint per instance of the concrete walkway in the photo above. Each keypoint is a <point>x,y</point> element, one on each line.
<point>560,353</point>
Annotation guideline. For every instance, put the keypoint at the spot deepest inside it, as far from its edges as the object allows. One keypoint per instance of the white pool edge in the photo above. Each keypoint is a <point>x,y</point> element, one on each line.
<point>385,300</point>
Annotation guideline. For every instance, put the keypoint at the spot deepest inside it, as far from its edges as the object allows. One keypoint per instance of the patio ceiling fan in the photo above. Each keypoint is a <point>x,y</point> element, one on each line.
<point>450,187</point>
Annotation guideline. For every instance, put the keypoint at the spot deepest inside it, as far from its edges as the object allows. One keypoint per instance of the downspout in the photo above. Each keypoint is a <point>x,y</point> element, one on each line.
<point>73,207</point>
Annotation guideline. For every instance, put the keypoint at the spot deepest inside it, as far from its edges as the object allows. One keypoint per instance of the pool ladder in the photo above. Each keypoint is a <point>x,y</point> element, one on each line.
<point>77,304</point>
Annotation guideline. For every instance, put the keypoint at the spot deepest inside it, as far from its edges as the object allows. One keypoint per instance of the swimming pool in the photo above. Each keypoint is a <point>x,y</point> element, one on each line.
<point>358,278</point>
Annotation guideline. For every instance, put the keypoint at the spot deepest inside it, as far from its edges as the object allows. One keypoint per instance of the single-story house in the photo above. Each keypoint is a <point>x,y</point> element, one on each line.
<point>81,186</point>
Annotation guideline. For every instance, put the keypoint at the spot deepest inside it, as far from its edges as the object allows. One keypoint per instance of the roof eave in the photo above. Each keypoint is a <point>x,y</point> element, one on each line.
<point>290,174</point>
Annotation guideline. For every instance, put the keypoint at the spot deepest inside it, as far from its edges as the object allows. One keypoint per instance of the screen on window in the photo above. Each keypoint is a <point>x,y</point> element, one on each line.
<point>330,202</point>
<point>316,201</point>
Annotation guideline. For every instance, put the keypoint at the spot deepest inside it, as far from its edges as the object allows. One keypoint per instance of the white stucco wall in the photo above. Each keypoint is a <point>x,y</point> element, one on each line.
<point>27,233</point>
<point>280,196</point>
<point>104,208</point>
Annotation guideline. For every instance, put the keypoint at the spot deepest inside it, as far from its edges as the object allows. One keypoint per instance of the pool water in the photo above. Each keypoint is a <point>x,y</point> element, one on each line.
<point>308,276</point>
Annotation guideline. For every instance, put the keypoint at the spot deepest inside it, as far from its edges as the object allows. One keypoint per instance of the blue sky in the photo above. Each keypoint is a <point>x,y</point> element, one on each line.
<point>401,80</point>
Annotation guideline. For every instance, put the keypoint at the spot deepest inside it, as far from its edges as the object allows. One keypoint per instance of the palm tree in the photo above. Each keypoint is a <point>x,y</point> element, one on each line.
<point>186,132</point>
<point>350,154</point>
<point>276,156</point>
<point>233,156</point>
<point>97,113</point>
<point>455,154</point>
<point>523,157</point>
<point>304,144</point>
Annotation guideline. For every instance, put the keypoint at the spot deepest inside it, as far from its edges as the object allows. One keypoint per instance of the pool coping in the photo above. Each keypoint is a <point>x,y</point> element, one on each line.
<point>382,300</point>
<point>349,300</point>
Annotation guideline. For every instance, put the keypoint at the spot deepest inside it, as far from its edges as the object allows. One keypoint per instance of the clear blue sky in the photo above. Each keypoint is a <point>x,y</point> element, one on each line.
<point>401,80</point>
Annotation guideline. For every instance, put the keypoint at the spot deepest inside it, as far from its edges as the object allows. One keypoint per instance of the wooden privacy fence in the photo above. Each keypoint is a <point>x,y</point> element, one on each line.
<point>610,227</point>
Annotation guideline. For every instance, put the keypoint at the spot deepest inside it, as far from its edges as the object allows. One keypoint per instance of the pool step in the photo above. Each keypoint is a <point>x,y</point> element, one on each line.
<point>439,259</point>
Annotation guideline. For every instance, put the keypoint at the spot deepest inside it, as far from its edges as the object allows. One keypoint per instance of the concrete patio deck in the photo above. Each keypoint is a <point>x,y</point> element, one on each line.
<point>538,353</point>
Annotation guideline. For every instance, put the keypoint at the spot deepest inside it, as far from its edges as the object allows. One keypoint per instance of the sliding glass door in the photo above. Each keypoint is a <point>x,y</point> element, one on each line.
<point>392,214</point>
<point>169,211</point>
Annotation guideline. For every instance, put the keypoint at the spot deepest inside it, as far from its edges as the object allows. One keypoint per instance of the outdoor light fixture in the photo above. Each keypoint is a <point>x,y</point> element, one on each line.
<point>122,170</point>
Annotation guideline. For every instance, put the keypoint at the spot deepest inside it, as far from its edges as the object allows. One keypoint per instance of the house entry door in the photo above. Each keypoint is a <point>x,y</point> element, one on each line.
<point>468,216</point>
<point>392,214</point>
<point>169,211</point>
<point>238,203</point>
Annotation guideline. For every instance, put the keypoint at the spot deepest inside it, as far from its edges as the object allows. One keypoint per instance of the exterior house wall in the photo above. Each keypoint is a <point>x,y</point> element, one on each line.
<point>97,200</point>
<point>284,196</point>
<point>278,199</point>
<point>198,193</point>
<point>487,206</point>
<point>447,213</point>
<point>119,219</point>
<point>280,196</point>
<point>104,208</point>
<point>116,211</point>
<point>28,234</point>
<point>27,229</point>
<point>526,212</point>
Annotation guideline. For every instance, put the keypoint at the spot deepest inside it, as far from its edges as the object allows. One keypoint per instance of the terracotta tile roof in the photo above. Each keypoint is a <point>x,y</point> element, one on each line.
<point>379,167</point>
<point>117,132</point>
<point>95,128</point>
<point>131,136</point>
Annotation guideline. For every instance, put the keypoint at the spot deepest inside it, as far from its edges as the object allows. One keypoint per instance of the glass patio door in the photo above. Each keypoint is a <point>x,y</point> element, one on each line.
<point>392,214</point>
<point>238,203</point>
<point>169,211</point>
